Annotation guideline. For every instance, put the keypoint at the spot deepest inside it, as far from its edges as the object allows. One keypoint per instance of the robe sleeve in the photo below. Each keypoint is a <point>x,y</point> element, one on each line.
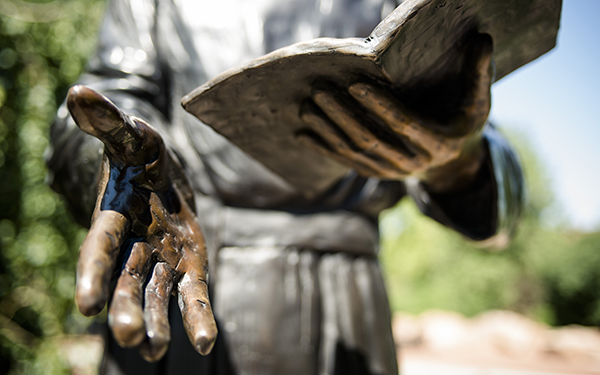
<point>489,210</point>
<point>126,68</point>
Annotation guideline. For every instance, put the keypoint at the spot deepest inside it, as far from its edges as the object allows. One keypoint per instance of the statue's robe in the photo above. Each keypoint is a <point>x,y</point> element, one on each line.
<point>295,283</point>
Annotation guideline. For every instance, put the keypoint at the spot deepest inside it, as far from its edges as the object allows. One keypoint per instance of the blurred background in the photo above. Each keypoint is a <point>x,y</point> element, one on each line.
<point>550,274</point>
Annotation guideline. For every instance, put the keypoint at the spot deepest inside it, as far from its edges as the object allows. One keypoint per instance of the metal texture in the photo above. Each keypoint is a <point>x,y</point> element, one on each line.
<point>144,216</point>
<point>295,284</point>
<point>416,49</point>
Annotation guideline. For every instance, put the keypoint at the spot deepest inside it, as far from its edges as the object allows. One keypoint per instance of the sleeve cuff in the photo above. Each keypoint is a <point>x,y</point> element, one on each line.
<point>488,211</point>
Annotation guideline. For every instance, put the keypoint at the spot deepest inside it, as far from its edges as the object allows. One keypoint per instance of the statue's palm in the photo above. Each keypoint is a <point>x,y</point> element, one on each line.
<point>144,234</point>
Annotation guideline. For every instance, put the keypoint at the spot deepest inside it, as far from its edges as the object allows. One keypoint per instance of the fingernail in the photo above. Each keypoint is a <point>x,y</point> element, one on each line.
<point>358,89</point>
<point>204,341</point>
<point>89,300</point>
<point>128,329</point>
<point>153,353</point>
<point>320,96</point>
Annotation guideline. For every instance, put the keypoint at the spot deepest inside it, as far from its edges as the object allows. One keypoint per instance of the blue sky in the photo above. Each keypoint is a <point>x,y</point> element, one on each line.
<point>555,101</point>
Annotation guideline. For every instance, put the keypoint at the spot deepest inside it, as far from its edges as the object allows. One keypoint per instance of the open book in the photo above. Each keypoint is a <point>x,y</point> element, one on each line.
<point>419,45</point>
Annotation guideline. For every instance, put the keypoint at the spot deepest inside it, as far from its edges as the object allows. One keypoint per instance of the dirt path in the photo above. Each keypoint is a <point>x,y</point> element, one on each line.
<point>494,343</point>
<point>446,343</point>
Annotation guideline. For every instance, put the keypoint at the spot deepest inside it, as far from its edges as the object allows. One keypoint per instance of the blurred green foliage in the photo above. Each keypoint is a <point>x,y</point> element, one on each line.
<point>548,274</point>
<point>43,49</point>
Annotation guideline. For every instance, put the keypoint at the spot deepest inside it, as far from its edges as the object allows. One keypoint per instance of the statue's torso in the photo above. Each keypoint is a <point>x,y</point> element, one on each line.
<point>230,32</point>
<point>213,36</point>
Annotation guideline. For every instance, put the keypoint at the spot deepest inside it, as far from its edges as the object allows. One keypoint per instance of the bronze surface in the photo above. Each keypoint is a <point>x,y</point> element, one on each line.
<point>144,220</point>
<point>418,50</point>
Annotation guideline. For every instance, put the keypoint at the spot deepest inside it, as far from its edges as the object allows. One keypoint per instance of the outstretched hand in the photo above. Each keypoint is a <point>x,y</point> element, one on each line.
<point>144,241</point>
<point>442,155</point>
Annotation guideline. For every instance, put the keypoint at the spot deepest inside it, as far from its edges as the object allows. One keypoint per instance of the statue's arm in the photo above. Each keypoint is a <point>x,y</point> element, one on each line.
<point>125,68</point>
<point>113,161</point>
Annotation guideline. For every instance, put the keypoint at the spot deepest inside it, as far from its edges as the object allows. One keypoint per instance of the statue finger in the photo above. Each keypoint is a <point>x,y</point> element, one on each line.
<point>479,71</point>
<point>440,147</point>
<point>196,311</point>
<point>125,315</point>
<point>156,316</point>
<point>338,149</point>
<point>97,259</point>
<point>384,106</point>
<point>364,139</point>
<point>123,136</point>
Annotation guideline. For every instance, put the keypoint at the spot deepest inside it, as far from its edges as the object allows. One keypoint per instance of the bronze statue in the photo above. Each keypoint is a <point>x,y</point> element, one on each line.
<point>294,281</point>
<point>143,194</point>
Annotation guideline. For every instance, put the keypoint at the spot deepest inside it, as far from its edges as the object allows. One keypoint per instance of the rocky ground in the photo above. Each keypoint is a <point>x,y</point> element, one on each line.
<point>446,343</point>
<point>494,343</point>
